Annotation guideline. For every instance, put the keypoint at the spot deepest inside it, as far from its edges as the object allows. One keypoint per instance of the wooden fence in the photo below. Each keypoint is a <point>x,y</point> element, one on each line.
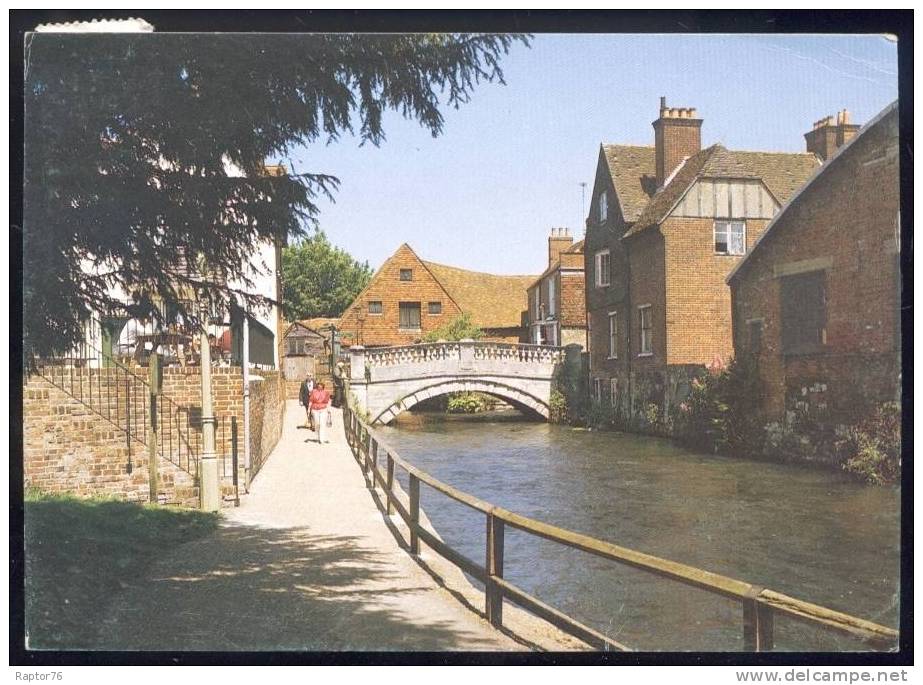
<point>759,605</point>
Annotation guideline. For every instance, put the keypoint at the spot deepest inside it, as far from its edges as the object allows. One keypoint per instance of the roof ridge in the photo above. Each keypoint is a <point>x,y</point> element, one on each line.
<point>471,271</point>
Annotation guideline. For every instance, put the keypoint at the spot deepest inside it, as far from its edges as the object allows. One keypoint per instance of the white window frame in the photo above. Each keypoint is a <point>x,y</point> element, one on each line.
<point>613,391</point>
<point>536,308</point>
<point>598,389</point>
<point>645,350</point>
<point>603,204</point>
<point>727,224</point>
<point>613,335</point>
<point>597,271</point>
<point>551,309</point>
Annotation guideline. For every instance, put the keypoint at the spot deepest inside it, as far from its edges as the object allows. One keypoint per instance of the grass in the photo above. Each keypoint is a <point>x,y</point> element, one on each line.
<point>80,553</point>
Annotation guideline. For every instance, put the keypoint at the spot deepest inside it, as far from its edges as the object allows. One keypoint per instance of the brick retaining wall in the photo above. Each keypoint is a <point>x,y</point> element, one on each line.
<point>67,447</point>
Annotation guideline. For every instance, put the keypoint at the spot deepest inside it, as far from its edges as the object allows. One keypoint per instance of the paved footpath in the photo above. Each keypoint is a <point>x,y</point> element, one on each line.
<point>305,563</point>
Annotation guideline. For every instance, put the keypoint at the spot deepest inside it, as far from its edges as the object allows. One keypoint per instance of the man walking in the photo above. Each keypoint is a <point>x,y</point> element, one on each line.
<point>320,413</point>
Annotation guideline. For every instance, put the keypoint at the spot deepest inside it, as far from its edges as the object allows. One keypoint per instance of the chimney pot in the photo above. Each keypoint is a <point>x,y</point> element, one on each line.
<point>675,138</point>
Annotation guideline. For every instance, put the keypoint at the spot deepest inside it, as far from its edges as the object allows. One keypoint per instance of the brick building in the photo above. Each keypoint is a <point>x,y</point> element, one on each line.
<point>307,351</point>
<point>408,297</point>
<point>817,299</point>
<point>557,304</point>
<point>666,225</point>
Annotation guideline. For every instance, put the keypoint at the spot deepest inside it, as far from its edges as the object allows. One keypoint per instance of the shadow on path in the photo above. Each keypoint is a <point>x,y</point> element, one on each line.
<point>255,588</point>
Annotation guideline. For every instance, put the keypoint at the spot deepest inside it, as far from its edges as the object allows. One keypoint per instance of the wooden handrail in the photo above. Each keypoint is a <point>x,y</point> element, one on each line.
<point>759,604</point>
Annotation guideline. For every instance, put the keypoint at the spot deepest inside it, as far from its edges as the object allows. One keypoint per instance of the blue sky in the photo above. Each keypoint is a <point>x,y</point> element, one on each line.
<point>508,165</point>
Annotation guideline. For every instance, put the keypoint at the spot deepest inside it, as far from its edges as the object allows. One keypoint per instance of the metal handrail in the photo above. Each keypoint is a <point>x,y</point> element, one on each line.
<point>759,604</point>
<point>125,404</point>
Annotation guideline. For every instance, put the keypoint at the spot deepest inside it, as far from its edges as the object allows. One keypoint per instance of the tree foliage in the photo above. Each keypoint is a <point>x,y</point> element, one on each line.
<point>459,328</point>
<point>143,147</point>
<point>320,278</point>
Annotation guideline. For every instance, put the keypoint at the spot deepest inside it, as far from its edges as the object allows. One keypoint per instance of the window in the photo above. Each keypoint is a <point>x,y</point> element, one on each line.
<point>375,307</point>
<point>603,206</point>
<point>536,300</point>
<point>730,237</point>
<point>647,330</point>
<point>406,274</point>
<point>409,316</point>
<point>598,389</point>
<point>804,312</point>
<point>434,308</point>
<point>614,392</point>
<point>551,296</point>
<point>613,335</point>
<point>602,268</point>
<point>295,347</point>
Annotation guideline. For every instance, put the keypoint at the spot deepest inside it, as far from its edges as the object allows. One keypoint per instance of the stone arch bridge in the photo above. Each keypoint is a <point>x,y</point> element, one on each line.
<point>389,380</point>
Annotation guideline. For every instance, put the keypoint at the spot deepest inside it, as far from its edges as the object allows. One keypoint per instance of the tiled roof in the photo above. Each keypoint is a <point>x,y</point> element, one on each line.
<point>315,324</point>
<point>632,168</point>
<point>319,322</point>
<point>782,172</point>
<point>817,172</point>
<point>492,301</point>
<point>576,248</point>
<point>662,202</point>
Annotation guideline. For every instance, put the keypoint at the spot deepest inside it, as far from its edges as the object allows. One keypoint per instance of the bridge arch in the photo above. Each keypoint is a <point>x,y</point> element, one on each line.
<point>520,399</point>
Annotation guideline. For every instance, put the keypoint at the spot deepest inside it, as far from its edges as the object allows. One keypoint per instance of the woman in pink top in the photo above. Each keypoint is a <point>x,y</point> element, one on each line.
<point>319,400</point>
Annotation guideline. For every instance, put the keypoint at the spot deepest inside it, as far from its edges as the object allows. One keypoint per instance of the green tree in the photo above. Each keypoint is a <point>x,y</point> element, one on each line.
<point>457,329</point>
<point>129,138</point>
<point>320,278</point>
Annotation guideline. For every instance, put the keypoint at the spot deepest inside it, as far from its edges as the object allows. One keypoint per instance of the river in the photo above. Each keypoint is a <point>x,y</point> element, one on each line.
<point>809,533</point>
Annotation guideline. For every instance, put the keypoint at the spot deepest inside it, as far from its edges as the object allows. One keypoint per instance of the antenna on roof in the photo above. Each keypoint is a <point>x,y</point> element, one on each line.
<point>582,206</point>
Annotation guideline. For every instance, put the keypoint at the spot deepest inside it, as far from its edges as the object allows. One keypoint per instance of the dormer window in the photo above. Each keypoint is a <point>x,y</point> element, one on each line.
<point>406,274</point>
<point>603,206</point>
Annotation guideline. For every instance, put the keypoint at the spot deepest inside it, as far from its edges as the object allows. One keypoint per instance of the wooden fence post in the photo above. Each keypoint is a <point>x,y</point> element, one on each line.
<point>492,592</point>
<point>758,626</point>
<point>414,514</point>
<point>390,484</point>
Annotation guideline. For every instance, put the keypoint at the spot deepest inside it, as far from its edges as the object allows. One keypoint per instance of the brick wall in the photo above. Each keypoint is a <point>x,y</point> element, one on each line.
<point>359,327</point>
<point>698,300</point>
<point>674,140</point>
<point>69,447</point>
<point>572,298</point>
<point>844,223</point>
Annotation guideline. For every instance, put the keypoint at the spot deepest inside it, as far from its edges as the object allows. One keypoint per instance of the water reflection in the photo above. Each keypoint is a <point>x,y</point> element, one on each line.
<point>810,533</point>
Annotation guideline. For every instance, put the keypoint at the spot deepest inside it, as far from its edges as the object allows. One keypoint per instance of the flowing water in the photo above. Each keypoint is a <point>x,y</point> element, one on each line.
<point>809,533</point>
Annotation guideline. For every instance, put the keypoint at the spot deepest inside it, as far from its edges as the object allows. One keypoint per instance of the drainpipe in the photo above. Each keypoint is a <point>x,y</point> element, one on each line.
<point>631,318</point>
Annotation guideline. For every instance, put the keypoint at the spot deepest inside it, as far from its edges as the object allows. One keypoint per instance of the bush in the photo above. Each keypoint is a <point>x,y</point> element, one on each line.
<point>557,405</point>
<point>459,328</point>
<point>720,413</point>
<point>467,403</point>
<point>872,447</point>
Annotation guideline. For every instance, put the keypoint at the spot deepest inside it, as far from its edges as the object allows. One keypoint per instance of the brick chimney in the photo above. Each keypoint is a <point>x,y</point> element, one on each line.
<point>827,136</point>
<point>559,240</point>
<point>677,135</point>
